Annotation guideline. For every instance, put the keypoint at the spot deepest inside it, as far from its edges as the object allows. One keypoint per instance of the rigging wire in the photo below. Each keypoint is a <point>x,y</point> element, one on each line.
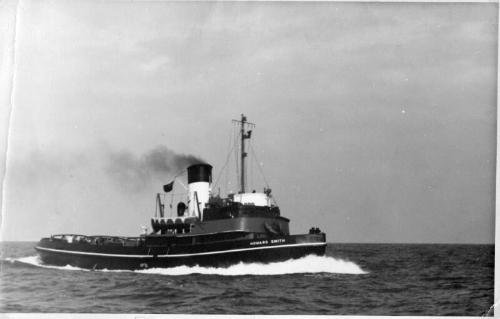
<point>258,165</point>
<point>262,172</point>
<point>230,148</point>
<point>225,164</point>
<point>251,164</point>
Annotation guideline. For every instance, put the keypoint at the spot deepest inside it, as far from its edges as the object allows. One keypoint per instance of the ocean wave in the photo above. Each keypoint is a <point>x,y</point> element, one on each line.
<point>306,265</point>
<point>35,261</point>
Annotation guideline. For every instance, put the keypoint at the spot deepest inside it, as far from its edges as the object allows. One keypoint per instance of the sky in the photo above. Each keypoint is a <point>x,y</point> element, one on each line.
<point>374,121</point>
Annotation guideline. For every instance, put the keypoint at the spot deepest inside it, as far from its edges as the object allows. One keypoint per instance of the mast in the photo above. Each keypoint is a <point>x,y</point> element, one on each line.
<point>245,134</point>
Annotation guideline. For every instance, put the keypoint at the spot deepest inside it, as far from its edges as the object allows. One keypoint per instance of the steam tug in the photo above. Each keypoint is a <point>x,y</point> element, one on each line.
<point>208,231</point>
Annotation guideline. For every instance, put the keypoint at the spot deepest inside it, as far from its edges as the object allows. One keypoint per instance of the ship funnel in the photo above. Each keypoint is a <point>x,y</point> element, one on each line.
<point>199,180</point>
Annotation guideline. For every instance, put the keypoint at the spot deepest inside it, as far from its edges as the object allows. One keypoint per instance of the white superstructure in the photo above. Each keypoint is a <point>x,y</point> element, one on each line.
<point>257,199</point>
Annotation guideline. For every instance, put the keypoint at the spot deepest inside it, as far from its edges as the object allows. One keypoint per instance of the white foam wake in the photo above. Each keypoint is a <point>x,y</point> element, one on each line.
<point>309,264</point>
<point>35,261</point>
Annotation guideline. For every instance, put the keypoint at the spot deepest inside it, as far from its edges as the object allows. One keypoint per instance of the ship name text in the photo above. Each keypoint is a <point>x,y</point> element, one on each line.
<point>265,242</point>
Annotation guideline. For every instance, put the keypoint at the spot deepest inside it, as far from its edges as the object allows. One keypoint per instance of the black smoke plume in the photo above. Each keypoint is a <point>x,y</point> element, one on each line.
<point>158,166</point>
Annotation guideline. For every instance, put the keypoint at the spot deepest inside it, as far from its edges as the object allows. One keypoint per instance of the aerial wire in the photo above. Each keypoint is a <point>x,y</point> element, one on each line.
<point>226,162</point>
<point>259,166</point>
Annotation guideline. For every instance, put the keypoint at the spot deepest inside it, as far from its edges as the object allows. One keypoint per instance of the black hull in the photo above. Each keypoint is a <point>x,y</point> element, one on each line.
<point>213,255</point>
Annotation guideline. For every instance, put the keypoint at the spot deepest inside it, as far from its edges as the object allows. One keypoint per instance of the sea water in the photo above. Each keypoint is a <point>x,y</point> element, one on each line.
<point>352,279</point>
